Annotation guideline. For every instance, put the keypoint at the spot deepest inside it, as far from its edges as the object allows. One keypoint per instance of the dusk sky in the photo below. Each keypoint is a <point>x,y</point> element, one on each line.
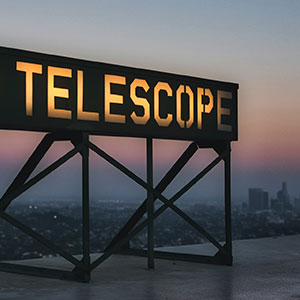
<point>253,43</point>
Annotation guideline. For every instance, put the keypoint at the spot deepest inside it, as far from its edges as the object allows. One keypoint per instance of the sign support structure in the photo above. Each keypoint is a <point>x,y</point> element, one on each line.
<point>70,99</point>
<point>120,244</point>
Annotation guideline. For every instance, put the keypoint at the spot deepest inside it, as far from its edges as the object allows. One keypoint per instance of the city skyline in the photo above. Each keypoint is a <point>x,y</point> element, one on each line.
<point>259,200</point>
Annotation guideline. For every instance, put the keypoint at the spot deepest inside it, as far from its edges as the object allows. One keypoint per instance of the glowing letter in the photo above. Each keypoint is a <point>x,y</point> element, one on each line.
<point>83,115</point>
<point>161,86</point>
<point>204,108</point>
<point>140,101</point>
<point>29,69</point>
<point>111,98</point>
<point>57,92</point>
<point>184,89</point>
<point>223,111</point>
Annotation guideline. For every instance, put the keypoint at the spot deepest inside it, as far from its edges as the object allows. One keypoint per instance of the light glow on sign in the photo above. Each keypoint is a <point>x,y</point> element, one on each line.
<point>57,92</point>
<point>29,69</point>
<point>110,98</point>
<point>83,115</point>
<point>41,92</point>
<point>204,108</point>
<point>140,101</point>
<point>223,111</point>
<point>187,90</point>
<point>161,86</point>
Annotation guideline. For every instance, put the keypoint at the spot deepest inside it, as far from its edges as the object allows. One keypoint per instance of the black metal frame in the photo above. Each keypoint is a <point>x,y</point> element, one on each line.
<point>121,243</point>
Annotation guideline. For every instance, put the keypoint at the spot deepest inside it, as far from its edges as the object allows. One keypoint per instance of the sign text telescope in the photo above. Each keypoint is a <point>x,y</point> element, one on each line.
<point>42,92</point>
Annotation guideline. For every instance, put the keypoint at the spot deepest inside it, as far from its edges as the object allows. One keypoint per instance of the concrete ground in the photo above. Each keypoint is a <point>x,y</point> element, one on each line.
<point>267,268</point>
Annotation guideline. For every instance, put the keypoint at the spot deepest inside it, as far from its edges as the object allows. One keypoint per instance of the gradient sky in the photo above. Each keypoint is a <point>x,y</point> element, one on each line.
<point>254,43</point>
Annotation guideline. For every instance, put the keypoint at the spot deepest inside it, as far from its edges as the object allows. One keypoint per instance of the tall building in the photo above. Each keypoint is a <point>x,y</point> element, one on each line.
<point>282,202</point>
<point>257,199</point>
<point>297,204</point>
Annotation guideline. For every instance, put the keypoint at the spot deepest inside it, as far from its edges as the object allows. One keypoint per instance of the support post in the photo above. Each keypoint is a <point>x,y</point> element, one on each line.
<point>27,169</point>
<point>85,206</point>
<point>227,169</point>
<point>162,185</point>
<point>83,268</point>
<point>150,203</point>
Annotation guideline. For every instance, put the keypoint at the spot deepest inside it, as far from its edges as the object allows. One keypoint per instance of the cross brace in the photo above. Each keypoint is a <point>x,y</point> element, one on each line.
<point>120,244</point>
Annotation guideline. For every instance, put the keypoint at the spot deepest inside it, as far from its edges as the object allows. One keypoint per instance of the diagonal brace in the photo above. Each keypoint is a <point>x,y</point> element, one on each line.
<point>40,239</point>
<point>161,186</point>
<point>159,195</point>
<point>29,166</point>
<point>158,212</point>
<point>21,189</point>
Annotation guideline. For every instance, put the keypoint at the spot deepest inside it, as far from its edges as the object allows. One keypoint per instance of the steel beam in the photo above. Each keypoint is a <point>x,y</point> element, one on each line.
<point>197,258</point>
<point>158,212</point>
<point>227,175</point>
<point>28,168</point>
<point>40,272</point>
<point>84,267</point>
<point>85,207</point>
<point>22,188</point>
<point>40,239</point>
<point>158,195</point>
<point>19,186</point>
<point>162,185</point>
<point>150,203</point>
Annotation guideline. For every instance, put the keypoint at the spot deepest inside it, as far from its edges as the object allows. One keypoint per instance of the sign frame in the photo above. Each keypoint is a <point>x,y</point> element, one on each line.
<point>13,93</point>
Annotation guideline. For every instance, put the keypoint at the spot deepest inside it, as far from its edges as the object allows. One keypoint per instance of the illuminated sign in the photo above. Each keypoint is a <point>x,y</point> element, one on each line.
<point>42,92</point>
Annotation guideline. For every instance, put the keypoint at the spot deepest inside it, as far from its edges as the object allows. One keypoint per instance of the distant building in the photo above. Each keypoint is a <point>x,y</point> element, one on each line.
<point>297,204</point>
<point>277,205</point>
<point>282,202</point>
<point>257,199</point>
<point>244,207</point>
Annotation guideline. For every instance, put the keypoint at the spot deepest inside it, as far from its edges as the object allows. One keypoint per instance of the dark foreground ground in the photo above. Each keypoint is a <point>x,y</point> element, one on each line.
<point>267,268</point>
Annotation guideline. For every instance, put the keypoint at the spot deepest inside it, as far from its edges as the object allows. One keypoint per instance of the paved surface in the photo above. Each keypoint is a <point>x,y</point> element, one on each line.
<point>263,269</point>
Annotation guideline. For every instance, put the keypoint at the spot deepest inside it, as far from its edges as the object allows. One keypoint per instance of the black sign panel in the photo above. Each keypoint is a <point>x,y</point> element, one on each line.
<point>42,92</point>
